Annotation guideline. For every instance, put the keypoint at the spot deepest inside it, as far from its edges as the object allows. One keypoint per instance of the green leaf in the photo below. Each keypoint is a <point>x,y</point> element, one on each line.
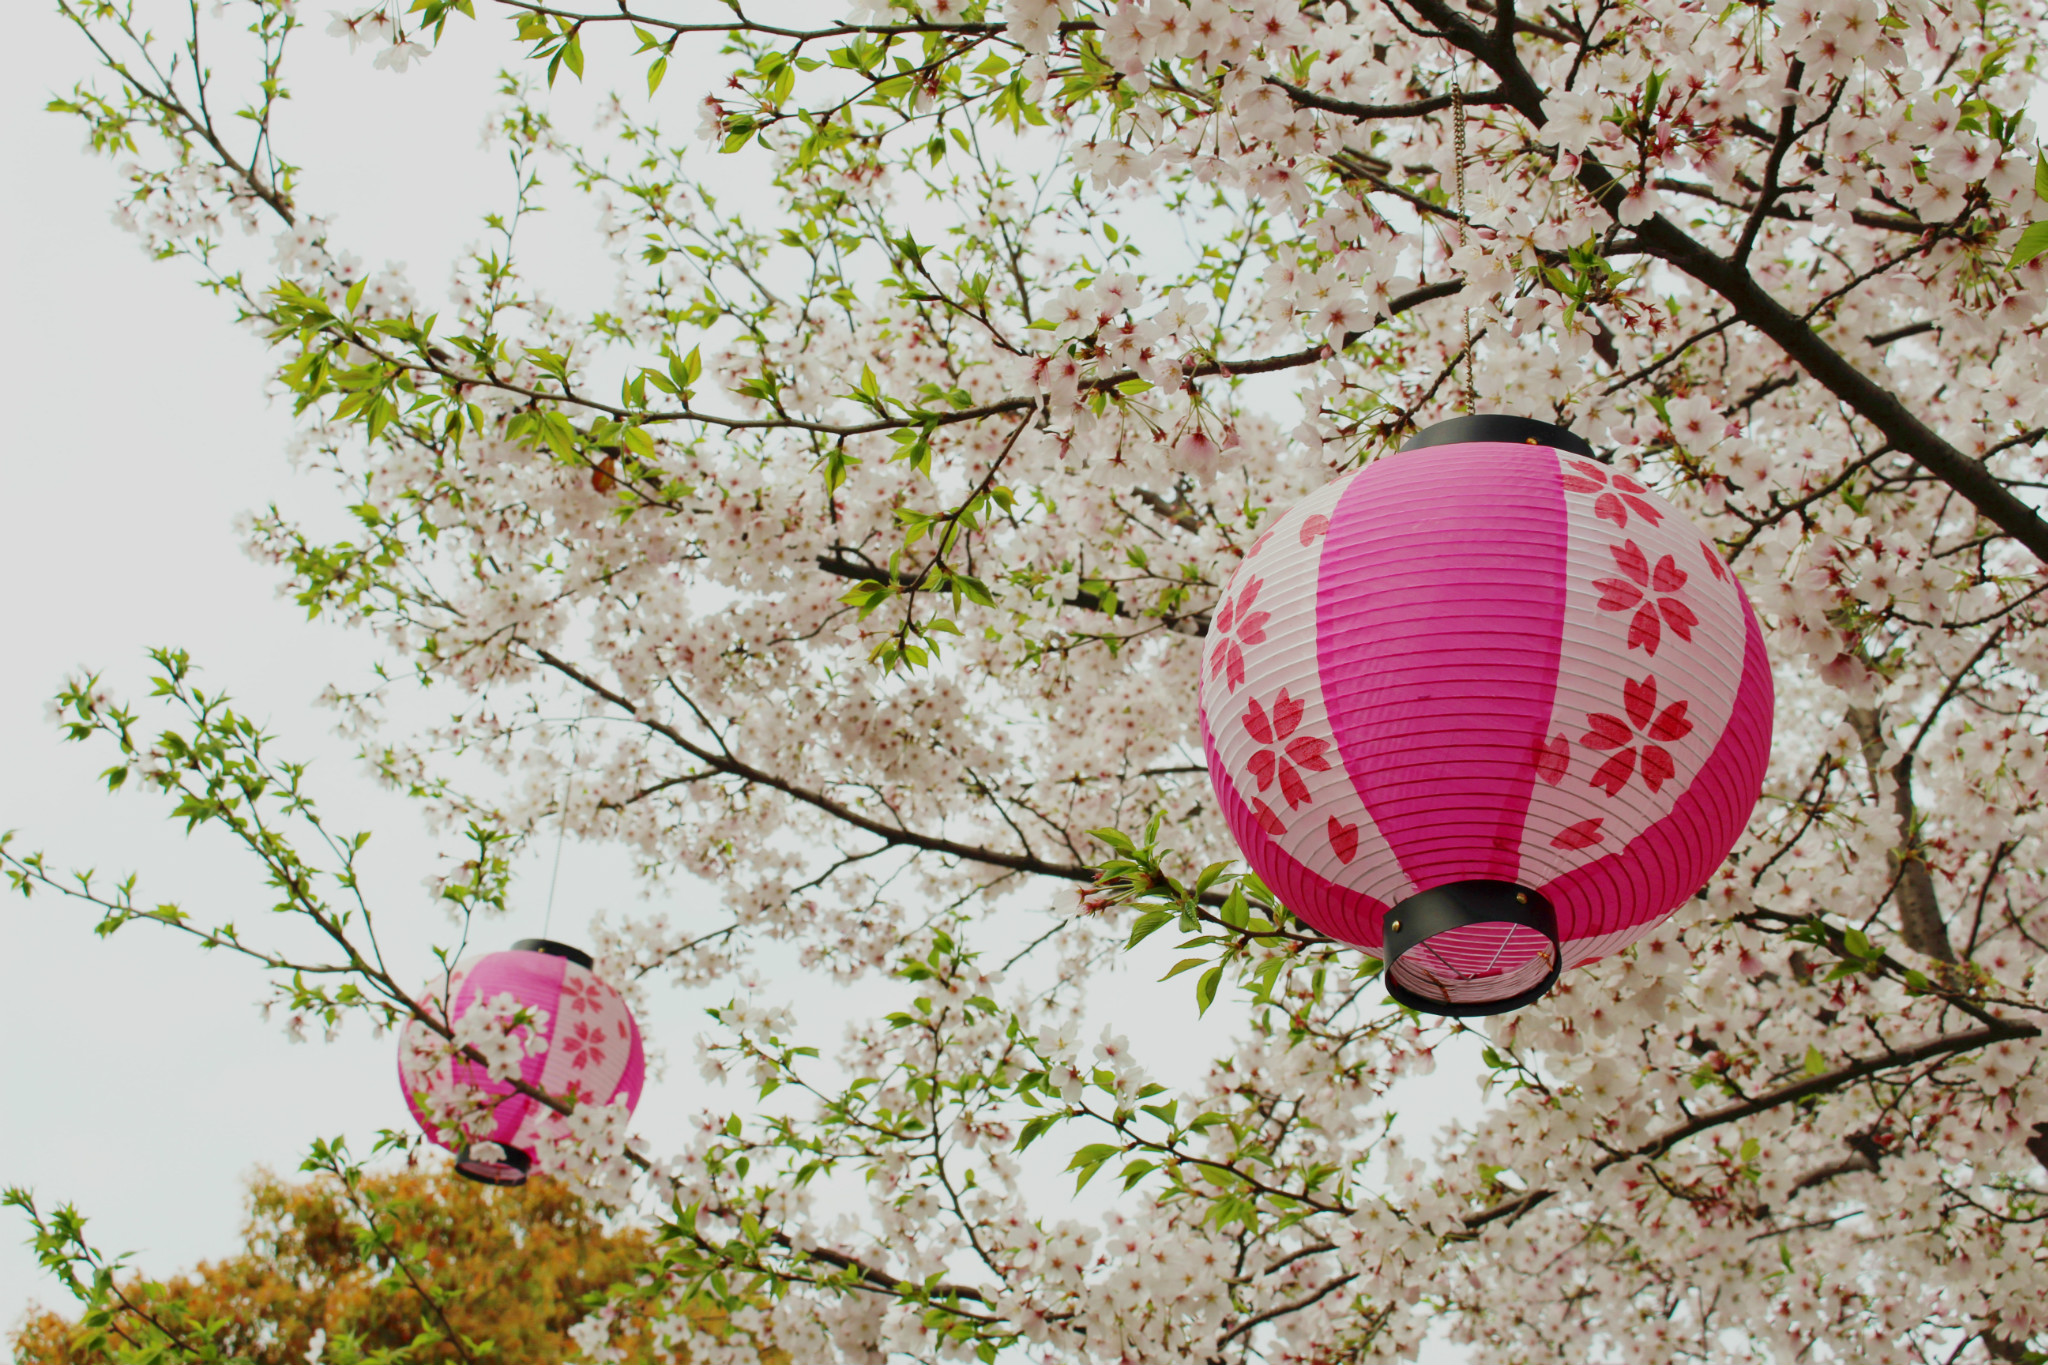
<point>655,73</point>
<point>1815,1062</point>
<point>2032,243</point>
<point>1205,989</point>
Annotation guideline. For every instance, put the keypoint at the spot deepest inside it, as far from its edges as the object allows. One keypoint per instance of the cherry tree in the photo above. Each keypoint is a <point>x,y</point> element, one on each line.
<point>858,557</point>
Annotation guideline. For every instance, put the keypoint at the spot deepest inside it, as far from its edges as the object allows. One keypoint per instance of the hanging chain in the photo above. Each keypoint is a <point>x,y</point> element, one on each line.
<point>1458,135</point>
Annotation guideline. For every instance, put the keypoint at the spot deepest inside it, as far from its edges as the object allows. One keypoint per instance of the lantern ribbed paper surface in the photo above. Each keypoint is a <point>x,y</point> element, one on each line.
<point>592,1052</point>
<point>1496,672</point>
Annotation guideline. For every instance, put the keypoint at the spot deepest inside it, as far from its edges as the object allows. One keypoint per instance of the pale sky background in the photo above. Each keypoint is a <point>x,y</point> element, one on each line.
<point>141,1083</point>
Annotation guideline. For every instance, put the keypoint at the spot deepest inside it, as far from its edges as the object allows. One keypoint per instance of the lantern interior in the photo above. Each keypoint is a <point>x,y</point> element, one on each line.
<point>1471,947</point>
<point>492,1163</point>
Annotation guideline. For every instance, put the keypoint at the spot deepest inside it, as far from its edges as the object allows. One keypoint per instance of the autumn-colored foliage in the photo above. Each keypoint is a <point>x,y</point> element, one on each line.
<point>504,1269</point>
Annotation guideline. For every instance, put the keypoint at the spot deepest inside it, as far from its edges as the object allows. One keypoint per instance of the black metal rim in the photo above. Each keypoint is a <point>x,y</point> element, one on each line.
<point>510,1167</point>
<point>1456,905</point>
<point>1490,426</point>
<point>554,949</point>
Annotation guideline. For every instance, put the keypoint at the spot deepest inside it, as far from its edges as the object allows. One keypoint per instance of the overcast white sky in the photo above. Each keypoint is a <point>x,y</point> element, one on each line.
<point>141,1084</point>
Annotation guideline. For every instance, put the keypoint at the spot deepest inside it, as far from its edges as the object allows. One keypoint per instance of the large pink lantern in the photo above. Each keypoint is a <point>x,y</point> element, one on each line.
<point>578,1041</point>
<point>1486,709</point>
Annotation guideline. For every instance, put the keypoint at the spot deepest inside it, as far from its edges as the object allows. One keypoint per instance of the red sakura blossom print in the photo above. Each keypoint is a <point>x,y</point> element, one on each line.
<point>1714,562</point>
<point>1236,626</point>
<point>1584,834</point>
<point>1656,728</point>
<point>1343,840</point>
<point>584,1044</point>
<point>1314,526</point>
<point>1643,592</point>
<point>1288,753</point>
<point>1619,494</point>
<point>583,994</point>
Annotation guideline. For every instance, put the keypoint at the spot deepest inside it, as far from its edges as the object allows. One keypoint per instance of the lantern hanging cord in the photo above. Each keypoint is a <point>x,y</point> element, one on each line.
<point>561,834</point>
<point>1458,138</point>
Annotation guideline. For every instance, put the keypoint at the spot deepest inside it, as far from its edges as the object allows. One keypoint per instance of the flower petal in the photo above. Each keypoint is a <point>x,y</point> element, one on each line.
<point>1286,715</point>
<point>1669,577</point>
<point>1256,721</point>
<point>1343,840</point>
<point>1584,834</point>
<point>1554,755</point>
<point>1606,732</point>
<point>1307,750</point>
<point>1313,527</point>
<point>1291,785</point>
<point>1581,477</point>
<point>1617,594</point>
<point>1678,616</point>
<point>1251,627</point>
<point>1647,509</point>
<point>1632,560</point>
<point>1262,767</point>
<point>1644,633</point>
<point>1672,724</point>
<point>1657,767</point>
<point>1639,699</point>
<point>1608,508</point>
<point>1613,774</point>
<point>1268,821</point>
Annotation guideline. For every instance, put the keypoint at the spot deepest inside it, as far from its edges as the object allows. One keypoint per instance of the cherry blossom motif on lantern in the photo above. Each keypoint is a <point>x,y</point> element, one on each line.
<point>584,1044</point>
<point>1606,731</point>
<point>1237,625</point>
<point>1619,494</point>
<point>1645,591</point>
<point>1285,755</point>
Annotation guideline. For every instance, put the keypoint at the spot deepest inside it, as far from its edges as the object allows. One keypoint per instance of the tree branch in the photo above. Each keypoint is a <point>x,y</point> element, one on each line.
<point>1814,1085</point>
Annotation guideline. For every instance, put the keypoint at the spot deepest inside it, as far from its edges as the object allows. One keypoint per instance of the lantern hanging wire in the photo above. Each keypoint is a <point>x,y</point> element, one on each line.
<point>561,834</point>
<point>1464,227</point>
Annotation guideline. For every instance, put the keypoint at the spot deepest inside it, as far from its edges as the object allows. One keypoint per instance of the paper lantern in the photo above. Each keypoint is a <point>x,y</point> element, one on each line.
<point>582,1043</point>
<point>1485,709</point>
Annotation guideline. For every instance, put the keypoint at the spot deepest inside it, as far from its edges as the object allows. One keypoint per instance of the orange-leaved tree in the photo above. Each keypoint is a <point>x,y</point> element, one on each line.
<point>415,1265</point>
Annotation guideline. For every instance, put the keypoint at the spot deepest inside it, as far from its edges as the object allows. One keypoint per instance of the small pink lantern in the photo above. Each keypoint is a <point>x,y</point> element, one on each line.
<point>1485,709</point>
<point>541,1004</point>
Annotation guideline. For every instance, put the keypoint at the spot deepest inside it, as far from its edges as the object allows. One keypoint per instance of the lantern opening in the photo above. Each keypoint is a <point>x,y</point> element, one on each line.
<point>554,949</point>
<point>1471,947</point>
<point>1498,427</point>
<point>493,1163</point>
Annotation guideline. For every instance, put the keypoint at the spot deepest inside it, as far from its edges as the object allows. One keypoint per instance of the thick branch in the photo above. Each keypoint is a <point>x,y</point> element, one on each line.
<point>1920,920</point>
<point>1755,305</point>
<point>1814,1085</point>
<point>897,835</point>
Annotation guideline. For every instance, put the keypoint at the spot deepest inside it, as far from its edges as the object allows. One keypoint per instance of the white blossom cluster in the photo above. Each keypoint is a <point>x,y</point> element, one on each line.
<point>855,560</point>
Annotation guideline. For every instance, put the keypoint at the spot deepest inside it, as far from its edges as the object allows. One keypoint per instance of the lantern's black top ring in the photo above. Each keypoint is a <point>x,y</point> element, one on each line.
<point>553,949</point>
<point>1444,980</point>
<point>1498,427</point>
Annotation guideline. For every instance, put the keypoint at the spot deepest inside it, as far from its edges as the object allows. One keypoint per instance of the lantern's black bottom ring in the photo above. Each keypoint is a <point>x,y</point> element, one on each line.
<point>493,1163</point>
<point>1458,905</point>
